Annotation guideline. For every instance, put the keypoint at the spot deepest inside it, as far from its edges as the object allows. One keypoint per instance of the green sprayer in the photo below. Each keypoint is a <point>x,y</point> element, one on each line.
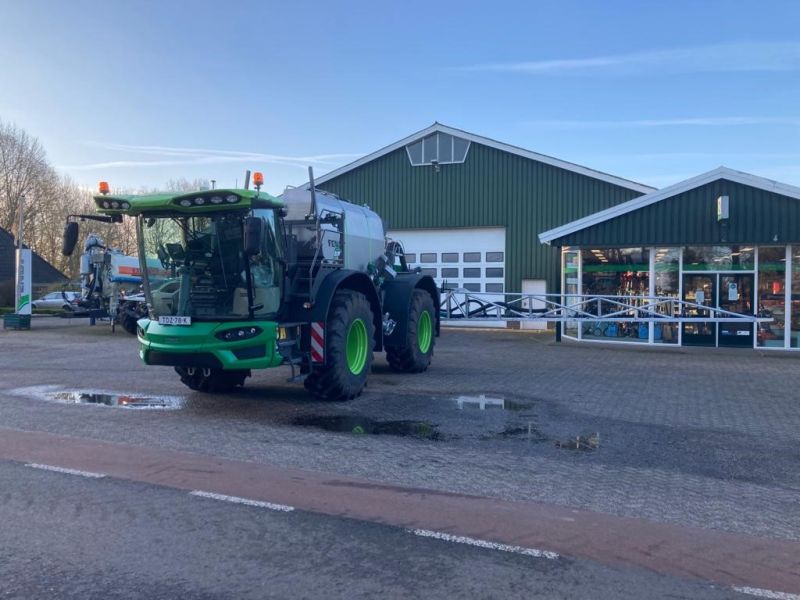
<point>236,280</point>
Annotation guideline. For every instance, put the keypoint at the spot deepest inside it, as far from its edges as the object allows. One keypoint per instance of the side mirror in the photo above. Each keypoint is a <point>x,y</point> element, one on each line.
<point>253,235</point>
<point>70,238</point>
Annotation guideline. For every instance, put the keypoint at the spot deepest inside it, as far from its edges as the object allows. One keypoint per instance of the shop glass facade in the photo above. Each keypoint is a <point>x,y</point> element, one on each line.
<point>617,273</point>
<point>743,279</point>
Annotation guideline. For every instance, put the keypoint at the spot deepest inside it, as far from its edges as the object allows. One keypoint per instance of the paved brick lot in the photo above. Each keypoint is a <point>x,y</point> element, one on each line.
<point>708,438</point>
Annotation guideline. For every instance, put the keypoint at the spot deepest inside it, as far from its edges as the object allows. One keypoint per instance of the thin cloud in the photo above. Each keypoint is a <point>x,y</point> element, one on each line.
<point>162,156</point>
<point>678,122</point>
<point>734,57</point>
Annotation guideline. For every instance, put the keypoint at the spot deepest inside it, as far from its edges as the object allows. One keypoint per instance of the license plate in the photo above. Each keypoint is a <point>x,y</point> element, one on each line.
<point>169,320</point>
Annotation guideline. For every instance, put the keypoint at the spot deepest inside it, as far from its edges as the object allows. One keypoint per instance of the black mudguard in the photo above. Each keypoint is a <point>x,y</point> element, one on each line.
<point>397,302</point>
<point>335,280</point>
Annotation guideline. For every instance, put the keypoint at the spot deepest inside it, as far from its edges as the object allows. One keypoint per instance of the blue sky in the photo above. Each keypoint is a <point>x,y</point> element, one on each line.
<point>137,93</point>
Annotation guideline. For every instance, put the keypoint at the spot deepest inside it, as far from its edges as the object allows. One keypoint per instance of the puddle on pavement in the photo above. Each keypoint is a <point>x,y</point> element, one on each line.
<point>356,425</point>
<point>129,401</point>
<point>483,402</point>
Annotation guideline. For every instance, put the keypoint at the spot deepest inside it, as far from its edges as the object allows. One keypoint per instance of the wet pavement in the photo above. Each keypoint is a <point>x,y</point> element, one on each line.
<point>710,439</point>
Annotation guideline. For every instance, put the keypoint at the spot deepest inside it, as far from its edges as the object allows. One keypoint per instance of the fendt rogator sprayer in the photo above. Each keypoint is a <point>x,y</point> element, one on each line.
<point>236,279</point>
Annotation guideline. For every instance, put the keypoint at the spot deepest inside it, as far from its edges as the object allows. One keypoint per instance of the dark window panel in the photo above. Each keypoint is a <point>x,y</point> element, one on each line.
<point>415,152</point>
<point>460,147</point>
<point>449,272</point>
<point>472,257</point>
<point>472,287</point>
<point>494,257</point>
<point>494,287</point>
<point>472,272</point>
<point>449,257</point>
<point>427,257</point>
<point>411,257</point>
<point>431,272</point>
<point>494,272</point>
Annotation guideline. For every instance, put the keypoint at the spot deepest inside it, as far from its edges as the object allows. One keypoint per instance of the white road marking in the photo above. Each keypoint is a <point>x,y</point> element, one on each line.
<point>88,474</point>
<point>458,539</point>
<point>766,593</point>
<point>245,501</point>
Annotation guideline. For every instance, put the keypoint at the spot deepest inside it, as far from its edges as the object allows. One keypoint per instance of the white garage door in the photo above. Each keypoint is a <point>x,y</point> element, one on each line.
<point>473,259</point>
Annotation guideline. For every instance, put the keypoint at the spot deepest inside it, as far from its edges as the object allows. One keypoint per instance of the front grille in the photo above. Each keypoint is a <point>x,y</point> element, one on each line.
<point>251,352</point>
<point>172,359</point>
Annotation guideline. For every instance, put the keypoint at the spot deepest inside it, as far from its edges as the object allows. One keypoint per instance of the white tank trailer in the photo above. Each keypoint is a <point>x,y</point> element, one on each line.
<point>110,281</point>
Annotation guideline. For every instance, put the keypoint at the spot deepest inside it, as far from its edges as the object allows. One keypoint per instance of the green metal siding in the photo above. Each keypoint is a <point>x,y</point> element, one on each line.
<point>491,188</point>
<point>690,218</point>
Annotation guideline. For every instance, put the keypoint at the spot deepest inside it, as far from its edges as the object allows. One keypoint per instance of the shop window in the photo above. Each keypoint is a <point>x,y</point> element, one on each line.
<point>667,285</point>
<point>494,287</point>
<point>620,272</point>
<point>494,257</point>
<point>570,287</point>
<point>472,257</point>
<point>718,258</point>
<point>427,257</point>
<point>449,257</point>
<point>772,295</point>
<point>795,303</point>
<point>472,287</point>
<point>494,272</point>
<point>472,272</point>
<point>449,272</point>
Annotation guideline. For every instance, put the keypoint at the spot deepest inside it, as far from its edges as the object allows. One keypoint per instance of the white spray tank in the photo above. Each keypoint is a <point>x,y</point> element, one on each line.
<point>364,234</point>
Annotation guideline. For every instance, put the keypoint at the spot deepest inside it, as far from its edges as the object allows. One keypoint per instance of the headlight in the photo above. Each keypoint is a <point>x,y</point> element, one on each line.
<point>199,200</point>
<point>216,200</point>
<point>186,202</point>
<point>238,334</point>
<point>231,199</point>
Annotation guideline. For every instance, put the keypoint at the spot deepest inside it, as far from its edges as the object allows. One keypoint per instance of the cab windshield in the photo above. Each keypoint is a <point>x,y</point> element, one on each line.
<point>195,267</point>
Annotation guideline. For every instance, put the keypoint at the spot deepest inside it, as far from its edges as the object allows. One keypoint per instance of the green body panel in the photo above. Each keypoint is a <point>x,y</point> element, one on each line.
<point>165,202</point>
<point>690,218</point>
<point>199,337</point>
<point>491,188</point>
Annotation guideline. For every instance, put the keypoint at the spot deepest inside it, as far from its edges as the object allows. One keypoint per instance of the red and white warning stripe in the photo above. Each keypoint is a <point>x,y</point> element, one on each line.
<point>318,342</point>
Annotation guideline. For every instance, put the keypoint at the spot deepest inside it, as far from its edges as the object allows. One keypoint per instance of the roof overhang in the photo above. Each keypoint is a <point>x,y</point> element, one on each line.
<point>755,181</point>
<point>478,139</point>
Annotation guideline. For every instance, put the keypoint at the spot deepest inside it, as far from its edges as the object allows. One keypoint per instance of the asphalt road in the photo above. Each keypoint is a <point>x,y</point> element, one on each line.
<point>68,537</point>
<point>687,441</point>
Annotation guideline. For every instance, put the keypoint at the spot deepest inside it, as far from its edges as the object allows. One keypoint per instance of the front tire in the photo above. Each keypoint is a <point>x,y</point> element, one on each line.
<point>349,340</point>
<point>415,356</point>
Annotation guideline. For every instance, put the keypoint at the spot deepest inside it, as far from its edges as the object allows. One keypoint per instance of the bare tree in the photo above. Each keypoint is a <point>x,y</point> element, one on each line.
<point>23,170</point>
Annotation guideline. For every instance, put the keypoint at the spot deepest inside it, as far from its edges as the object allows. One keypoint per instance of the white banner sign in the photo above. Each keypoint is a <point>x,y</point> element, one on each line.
<point>23,290</point>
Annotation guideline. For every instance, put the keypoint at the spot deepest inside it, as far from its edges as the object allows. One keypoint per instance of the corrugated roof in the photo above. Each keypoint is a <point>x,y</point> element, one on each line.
<point>438,127</point>
<point>755,181</point>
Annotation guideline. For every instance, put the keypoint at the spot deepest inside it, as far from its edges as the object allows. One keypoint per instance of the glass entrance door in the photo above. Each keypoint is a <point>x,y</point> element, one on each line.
<point>700,290</point>
<point>736,295</point>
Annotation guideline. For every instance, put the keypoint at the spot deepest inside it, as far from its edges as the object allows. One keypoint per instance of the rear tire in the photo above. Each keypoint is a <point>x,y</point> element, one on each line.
<point>349,340</point>
<point>415,356</point>
<point>212,380</point>
<point>128,323</point>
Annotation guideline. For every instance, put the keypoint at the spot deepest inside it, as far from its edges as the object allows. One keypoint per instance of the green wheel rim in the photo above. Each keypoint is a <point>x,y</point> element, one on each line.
<point>424,331</point>
<point>357,345</point>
